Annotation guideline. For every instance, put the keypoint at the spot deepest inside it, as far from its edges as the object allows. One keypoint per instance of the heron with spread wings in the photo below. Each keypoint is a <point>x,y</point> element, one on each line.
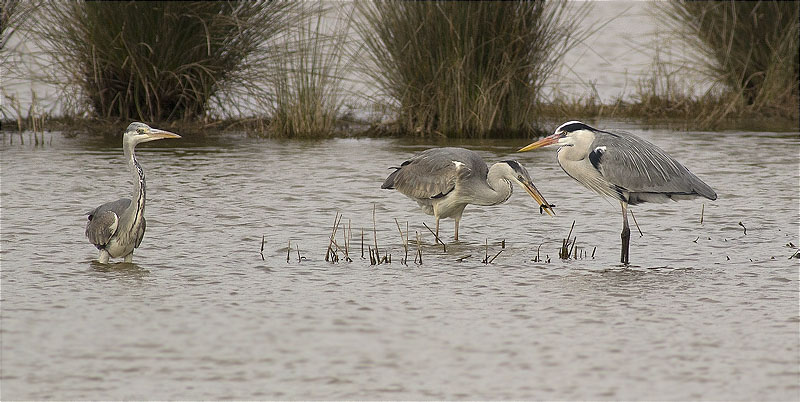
<point>443,181</point>
<point>116,228</point>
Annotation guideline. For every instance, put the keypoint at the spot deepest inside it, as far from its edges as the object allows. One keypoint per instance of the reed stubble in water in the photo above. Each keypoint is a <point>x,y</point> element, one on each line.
<point>569,248</point>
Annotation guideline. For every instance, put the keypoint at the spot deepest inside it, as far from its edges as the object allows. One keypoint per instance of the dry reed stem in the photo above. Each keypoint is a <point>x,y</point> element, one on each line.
<point>375,230</point>
<point>263,237</point>
<point>564,252</point>
<point>702,210</point>
<point>637,224</point>
<point>495,256</point>
<point>419,249</point>
<point>404,240</point>
<point>444,246</point>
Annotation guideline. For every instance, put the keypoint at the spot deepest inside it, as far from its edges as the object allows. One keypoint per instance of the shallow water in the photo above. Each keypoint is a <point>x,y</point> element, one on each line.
<point>705,312</point>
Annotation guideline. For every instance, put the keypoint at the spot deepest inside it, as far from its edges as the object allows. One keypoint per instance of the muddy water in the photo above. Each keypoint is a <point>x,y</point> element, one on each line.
<point>705,311</point>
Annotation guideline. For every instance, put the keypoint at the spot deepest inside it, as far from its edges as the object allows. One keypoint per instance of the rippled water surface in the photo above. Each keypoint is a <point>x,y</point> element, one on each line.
<point>705,311</point>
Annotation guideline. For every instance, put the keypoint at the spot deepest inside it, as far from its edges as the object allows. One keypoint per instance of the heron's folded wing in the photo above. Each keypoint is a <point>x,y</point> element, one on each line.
<point>426,176</point>
<point>103,221</point>
<point>101,227</point>
<point>639,166</point>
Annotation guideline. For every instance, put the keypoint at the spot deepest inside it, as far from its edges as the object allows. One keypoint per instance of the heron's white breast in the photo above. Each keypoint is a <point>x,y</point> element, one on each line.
<point>582,171</point>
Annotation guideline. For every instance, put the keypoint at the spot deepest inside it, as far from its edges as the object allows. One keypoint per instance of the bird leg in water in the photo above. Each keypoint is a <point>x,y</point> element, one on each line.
<point>456,237</point>
<point>436,235</point>
<point>626,234</point>
<point>129,257</point>
<point>103,257</point>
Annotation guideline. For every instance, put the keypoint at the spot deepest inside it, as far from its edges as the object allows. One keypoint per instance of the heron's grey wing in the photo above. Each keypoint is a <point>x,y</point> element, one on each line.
<point>638,166</point>
<point>430,174</point>
<point>103,221</point>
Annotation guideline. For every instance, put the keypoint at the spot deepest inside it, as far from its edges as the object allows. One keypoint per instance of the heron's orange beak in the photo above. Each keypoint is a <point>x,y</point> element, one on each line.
<point>543,204</point>
<point>541,143</point>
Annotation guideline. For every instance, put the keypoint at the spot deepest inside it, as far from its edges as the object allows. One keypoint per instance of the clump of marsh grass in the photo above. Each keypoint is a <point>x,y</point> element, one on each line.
<point>465,68</point>
<point>13,14</point>
<point>748,50</point>
<point>160,61</point>
<point>9,20</point>
<point>310,95</point>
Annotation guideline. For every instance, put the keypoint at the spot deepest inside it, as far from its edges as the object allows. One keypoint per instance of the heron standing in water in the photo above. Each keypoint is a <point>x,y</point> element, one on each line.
<point>116,228</point>
<point>620,165</point>
<point>443,181</point>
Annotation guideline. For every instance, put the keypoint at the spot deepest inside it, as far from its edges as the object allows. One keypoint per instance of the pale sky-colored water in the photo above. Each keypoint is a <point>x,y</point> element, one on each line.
<point>705,311</point>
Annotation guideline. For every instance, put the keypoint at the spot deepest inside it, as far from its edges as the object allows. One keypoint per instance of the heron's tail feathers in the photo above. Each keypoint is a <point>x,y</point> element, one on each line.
<point>388,184</point>
<point>705,190</point>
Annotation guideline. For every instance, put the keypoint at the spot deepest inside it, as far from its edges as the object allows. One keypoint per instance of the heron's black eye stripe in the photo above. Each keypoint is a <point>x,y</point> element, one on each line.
<point>575,127</point>
<point>514,164</point>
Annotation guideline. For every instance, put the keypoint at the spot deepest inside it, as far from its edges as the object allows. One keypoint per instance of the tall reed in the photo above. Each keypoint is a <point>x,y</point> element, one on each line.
<point>465,68</point>
<point>748,49</point>
<point>310,94</point>
<point>159,61</point>
<point>9,18</point>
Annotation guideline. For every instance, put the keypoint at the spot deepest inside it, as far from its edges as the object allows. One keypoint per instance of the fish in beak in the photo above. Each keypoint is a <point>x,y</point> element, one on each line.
<point>544,206</point>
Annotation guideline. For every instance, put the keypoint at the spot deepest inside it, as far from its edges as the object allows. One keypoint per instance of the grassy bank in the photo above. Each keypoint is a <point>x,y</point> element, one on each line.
<point>159,61</point>
<point>431,68</point>
<point>465,69</point>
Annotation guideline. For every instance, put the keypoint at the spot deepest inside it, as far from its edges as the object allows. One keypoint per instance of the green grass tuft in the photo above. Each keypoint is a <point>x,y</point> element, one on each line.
<point>747,49</point>
<point>465,68</point>
<point>310,95</point>
<point>158,61</point>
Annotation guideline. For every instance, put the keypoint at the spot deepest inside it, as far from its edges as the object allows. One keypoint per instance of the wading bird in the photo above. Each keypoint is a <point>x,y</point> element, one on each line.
<point>444,180</point>
<point>620,165</point>
<point>116,228</point>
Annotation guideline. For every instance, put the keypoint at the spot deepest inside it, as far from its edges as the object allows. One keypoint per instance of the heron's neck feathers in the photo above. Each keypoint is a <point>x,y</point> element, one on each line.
<point>139,185</point>
<point>499,187</point>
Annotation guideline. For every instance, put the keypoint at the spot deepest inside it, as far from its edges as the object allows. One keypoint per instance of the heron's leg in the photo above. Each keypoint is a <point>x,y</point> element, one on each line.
<point>457,219</point>
<point>626,234</point>
<point>129,257</point>
<point>103,257</point>
<point>437,228</point>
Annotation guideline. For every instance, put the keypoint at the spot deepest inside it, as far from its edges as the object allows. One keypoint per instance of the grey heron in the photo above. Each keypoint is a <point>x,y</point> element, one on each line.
<point>116,228</point>
<point>620,165</point>
<point>443,181</point>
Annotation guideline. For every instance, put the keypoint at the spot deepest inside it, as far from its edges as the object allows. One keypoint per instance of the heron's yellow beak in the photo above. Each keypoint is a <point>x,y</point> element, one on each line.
<point>157,134</point>
<point>543,204</point>
<point>541,143</point>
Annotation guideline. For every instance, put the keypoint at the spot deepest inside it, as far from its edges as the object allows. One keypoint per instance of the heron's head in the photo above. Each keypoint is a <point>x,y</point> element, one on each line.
<point>565,136</point>
<point>139,132</point>
<point>515,172</point>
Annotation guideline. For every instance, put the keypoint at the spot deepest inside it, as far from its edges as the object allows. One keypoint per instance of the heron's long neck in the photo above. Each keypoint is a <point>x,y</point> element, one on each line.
<point>139,186</point>
<point>498,190</point>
